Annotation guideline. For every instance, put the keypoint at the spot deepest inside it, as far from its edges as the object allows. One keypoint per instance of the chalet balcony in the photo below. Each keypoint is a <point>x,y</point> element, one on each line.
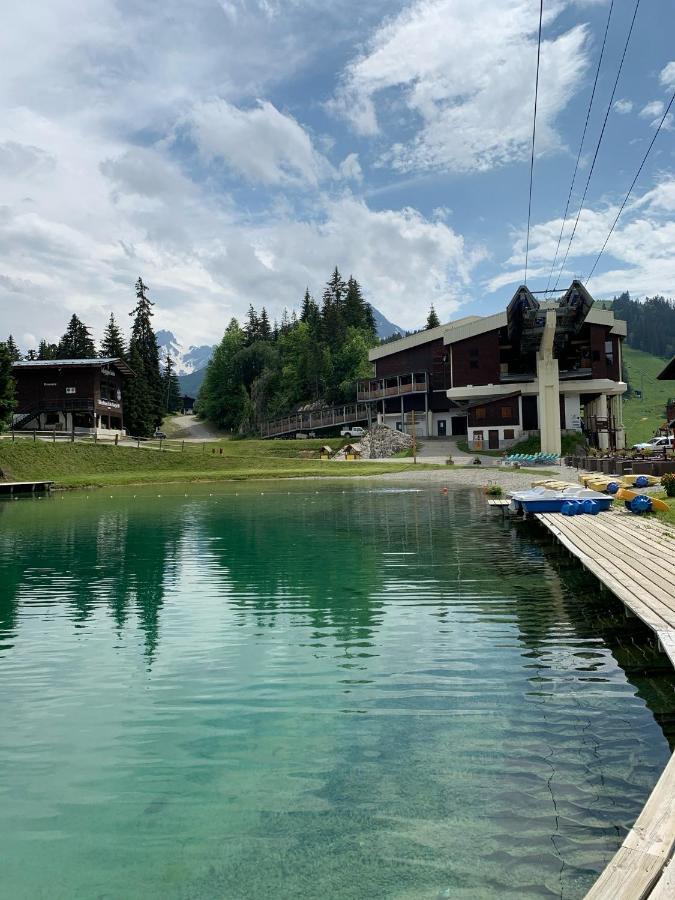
<point>392,386</point>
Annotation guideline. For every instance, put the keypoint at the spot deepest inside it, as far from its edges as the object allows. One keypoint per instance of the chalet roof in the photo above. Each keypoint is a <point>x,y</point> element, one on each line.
<point>95,363</point>
<point>668,373</point>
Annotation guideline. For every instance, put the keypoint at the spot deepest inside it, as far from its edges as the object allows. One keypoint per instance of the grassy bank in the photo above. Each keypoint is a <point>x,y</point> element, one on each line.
<point>642,417</point>
<point>77,465</point>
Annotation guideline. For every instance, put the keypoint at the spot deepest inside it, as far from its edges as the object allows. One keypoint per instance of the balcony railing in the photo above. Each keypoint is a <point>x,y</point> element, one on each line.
<point>392,386</point>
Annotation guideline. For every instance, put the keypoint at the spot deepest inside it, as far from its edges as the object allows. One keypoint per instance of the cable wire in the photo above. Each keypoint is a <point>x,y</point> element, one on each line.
<point>581,146</point>
<point>630,189</point>
<point>534,132</point>
<point>597,149</point>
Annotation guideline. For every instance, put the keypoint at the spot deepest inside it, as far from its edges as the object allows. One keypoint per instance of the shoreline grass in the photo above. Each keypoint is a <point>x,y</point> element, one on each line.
<point>90,465</point>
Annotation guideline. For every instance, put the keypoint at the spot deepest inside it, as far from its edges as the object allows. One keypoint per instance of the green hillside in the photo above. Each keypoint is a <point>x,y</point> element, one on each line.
<point>642,417</point>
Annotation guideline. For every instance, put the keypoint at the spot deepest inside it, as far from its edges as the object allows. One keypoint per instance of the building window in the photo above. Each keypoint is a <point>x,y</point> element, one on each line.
<point>506,412</point>
<point>609,353</point>
<point>479,412</point>
<point>509,434</point>
<point>70,390</point>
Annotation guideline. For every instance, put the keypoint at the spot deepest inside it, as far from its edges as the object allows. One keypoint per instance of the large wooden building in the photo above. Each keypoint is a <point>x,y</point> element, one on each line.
<point>544,367</point>
<point>80,395</point>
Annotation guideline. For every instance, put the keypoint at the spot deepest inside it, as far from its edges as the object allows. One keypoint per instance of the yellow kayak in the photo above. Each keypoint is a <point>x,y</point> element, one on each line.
<point>629,480</point>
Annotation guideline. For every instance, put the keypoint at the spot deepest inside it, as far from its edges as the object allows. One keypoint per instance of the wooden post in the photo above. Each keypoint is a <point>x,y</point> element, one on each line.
<point>138,443</point>
<point>116,439</point>
<point>34,439</point>
<point>182,446</point>
<point>53,435</point>
<point>414,437</point>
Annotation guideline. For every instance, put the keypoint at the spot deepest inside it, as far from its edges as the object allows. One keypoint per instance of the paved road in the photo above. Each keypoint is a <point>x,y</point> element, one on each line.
<point>195,429</point>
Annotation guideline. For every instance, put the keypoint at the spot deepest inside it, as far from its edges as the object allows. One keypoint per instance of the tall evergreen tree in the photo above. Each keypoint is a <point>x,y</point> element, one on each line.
<point>252,327</point>
<point>48,351</point>
<point>432,319</point>
<point>6,386</point>
<point>264,329</point>
<point>171,387</point>
<point>13,350</point>
<point>32,354</point>
<point>112,345</point>
<point>76,343</point>
<point>143,397</point>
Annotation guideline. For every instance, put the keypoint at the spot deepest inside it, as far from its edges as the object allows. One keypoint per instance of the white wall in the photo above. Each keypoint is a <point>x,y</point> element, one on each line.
<point>572,412</point>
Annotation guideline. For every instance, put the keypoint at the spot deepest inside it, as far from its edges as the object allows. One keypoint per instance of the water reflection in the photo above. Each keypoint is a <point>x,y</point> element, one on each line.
<point>381,693</point>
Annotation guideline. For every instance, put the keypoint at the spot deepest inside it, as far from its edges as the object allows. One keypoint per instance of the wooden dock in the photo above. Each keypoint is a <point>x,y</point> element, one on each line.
<point>25,487</point>
<point>635,559</point>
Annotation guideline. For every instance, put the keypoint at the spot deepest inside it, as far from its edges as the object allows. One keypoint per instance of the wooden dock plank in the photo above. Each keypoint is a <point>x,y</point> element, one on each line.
<point>635,559</point>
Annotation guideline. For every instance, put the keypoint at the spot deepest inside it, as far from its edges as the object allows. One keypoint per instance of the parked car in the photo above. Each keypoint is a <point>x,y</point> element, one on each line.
<point>657,443</point>
<point>160,435</point>
<point>352,431</point>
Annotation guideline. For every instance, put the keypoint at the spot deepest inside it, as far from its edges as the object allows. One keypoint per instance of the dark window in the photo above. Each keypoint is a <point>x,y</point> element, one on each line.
<point>480,412</point>
<point>509,434</point>
<point>596,355</point>
<point>473,363</point>
<point>506,412</point>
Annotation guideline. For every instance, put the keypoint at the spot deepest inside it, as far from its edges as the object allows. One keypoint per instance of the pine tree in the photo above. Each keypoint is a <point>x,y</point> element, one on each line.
<point>337,288</point>
<point>143,395</point>
<point>306,306</point>
<point>6,386</point>
<point>32,354</point>
<point>13,350</point>
<point>112,345</point>
<point>76,343</point>
<point>264,330</point>
<point>47,351</point>
<point>171,387</point>
<point>252,327</point>
<point>432,319</point>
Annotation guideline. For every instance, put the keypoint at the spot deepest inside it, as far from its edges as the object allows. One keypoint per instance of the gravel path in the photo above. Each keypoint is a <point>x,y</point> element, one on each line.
<point>479,476</point>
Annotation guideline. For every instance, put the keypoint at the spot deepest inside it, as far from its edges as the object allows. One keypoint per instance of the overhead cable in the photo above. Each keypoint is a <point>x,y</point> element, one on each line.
<point>534,132</point>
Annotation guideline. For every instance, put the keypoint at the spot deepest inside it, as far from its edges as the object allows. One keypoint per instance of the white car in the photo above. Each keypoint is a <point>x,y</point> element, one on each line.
<point>657,443</point>
<point>352,431</point>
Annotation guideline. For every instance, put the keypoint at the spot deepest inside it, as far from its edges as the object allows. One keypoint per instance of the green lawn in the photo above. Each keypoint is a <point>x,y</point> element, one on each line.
<point>76,465</point>
<point>642,417</point>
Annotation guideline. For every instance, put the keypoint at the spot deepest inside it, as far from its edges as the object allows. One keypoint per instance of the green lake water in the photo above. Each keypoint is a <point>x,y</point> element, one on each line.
<point>335,692</point>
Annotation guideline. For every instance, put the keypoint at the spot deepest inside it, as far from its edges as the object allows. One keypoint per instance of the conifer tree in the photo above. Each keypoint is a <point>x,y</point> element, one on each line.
<point>143,395</point>
<point>171,387</point>
<point>47,351</point>
<point>76,343</point>
<point>6,386</point>
<point>432,319</point>
<point>13,350</point>
<point>252,327</point>
<point>264,330</point>
<point>32,354</point>
<point>112,344</point>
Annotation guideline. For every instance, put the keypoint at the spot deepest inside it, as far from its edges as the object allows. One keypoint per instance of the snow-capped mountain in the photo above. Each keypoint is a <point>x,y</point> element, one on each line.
<point>187,359</point>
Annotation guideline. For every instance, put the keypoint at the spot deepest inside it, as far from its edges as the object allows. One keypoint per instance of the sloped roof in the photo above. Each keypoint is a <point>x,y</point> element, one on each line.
<point>668,374</point>
<point>96,363</point>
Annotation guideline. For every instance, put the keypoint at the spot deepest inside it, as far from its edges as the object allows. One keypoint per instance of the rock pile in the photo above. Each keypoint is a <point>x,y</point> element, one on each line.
<point>382,442</point>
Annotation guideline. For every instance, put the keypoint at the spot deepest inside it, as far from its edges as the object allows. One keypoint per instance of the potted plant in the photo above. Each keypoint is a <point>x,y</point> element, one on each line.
<point>668,483</point>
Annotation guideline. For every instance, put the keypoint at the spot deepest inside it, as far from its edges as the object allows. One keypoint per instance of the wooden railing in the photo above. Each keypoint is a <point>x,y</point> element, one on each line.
<point>377,388</point>
<point>347,414</point>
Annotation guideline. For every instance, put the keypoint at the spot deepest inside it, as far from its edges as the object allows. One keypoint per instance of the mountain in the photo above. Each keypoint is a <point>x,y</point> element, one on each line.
<point>385,328</point>
<point>190,384</point>
<point>187,359</point>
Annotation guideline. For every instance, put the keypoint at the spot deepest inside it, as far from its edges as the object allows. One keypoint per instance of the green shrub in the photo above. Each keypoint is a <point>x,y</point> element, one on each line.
<point>668,482</point>
<point>494,490</point>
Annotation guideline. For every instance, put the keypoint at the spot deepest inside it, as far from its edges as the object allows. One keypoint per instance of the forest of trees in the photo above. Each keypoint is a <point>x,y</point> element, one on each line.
<point>261,370</point>
<point>147,397</point>
<point>651,323</point>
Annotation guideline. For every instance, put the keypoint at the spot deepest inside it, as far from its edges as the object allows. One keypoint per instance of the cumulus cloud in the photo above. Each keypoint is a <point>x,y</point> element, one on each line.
<point>623,106</point>
<point>652,109</point>
<point>638,256</point>
<point>261,143</point>
<point>465,75</point>
<point>350,168</point>
<point>667,76</point>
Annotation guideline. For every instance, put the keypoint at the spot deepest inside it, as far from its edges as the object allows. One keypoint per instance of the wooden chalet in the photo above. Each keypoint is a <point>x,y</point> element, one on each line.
<point>71,395</point>
<point>544,367</point>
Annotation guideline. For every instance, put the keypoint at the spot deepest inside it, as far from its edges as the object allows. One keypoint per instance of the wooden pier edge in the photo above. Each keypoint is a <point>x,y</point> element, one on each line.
<point>644,866</point>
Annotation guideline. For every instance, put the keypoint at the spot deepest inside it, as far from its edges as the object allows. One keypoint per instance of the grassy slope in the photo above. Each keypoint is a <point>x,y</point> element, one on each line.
<point>642,417</point>
<point>76,464</point>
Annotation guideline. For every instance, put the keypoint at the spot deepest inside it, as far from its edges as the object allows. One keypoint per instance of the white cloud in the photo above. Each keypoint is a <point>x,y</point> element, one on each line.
<point>667,76</point>
<point>465,76</point>
<point>623,106</point>
<point>261,143</point>
<point>652,109</point>
<point>350,168</point>
<point>639,251</point>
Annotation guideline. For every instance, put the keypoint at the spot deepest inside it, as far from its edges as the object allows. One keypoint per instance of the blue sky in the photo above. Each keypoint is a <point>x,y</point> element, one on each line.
<point>233,152</point>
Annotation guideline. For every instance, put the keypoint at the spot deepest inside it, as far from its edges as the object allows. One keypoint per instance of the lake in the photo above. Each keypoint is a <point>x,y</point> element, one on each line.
<point>312,690</point>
